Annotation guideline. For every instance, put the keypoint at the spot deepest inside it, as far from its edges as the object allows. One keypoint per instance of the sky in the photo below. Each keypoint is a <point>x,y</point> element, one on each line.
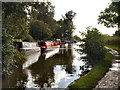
<point>87,13</point>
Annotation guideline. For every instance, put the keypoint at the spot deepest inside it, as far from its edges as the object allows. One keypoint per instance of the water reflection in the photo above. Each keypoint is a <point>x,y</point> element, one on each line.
<point>52,69</point>
<point>61,68</point>
<point>31,59</point>
<point>49,54</point>
<point>16,80</point>
<point>30,79</point>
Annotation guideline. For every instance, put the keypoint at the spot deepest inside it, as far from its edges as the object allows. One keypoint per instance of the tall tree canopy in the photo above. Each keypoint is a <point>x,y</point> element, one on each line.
<point>14,26</point>
<point>66,26</point>
<point>39,30</point>
<point>110,17</point>
<point>14,19</point>
<point>68,20</point>
<point>44,11</point>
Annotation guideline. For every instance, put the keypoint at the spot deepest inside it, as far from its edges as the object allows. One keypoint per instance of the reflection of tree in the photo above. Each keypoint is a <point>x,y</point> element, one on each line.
<point>68,62</point>
<point>16,80</point>
<point>43,72</point>
<point>89,62</point>
<point>84,69</point>
<point>66,58</point>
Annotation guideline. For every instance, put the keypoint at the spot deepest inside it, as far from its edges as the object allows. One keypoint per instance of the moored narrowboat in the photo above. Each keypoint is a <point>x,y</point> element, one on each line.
<point>48,45</point>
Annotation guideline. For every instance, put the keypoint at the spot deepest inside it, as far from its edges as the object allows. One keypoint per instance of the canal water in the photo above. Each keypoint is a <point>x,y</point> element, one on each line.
<point>56,68</point>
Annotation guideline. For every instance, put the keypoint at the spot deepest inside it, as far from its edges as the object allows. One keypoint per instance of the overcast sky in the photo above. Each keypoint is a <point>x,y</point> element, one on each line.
<point>87,13</point>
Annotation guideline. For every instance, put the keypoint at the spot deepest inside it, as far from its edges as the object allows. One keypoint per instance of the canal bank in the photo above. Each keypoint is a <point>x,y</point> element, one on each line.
<point>111,79</point>
<point>90,80</point>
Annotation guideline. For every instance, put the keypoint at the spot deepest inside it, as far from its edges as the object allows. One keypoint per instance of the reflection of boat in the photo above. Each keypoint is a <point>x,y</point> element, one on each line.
<point>31,59</point>
<point>48,45</point>
<point>64,45</point>
<point>50,53</point>
<point>30,80</point>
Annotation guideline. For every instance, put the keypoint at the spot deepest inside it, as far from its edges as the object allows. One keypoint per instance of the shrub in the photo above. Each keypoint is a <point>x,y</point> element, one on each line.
<point>93,46</point>
<point>10,56</point>
<point>29,38</point>
<point>113,40</point>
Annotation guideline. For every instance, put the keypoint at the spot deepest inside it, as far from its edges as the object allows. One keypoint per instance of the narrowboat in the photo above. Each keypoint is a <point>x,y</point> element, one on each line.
<point>48,45</point>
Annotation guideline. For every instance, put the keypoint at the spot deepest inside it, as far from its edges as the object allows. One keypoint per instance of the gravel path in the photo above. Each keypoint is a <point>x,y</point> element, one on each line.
<point>111,81</point>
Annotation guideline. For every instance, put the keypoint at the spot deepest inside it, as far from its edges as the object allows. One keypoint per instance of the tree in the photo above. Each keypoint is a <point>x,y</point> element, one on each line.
<point>76,38</point>
<point>60,32</point>
<point>117,33</point>
<point>68,21</point>
<point>39,30</point>
<point>110,17</point>
<point>93,46</point>
<point>14,19</point>
<point>66,26</point>
<point>44,11</point>
<point>14,26</point>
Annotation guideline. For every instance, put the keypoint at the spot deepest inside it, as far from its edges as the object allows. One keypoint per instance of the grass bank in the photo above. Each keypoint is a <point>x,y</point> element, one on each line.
<point>115,47</point>
<point>90,80</point>
<point>113,42</point>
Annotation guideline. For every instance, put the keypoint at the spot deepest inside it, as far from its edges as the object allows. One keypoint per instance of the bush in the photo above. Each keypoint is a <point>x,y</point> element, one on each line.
<point>29,38</point>
<point>113,40</point>
<point>93,46</point>
<point>10,56</point>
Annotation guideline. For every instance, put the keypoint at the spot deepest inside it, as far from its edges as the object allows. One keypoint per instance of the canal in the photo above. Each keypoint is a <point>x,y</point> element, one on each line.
<point>56,68</point>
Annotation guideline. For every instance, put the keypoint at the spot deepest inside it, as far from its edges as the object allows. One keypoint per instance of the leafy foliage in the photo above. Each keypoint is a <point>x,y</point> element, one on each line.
<point>66,26</point>
<point>46,14</point>
<point>39,30</point>
<point>14,19</point>
<point>14,26</point>
<point>110,17</point>
<point>69,16</point>
<point>76,38</point>
<point>117,33</point>
<point>29,38</point>
<point>44,11</point>
<point>93,46</point>
<point>60,33</point>
<point>10,56</point>
<point>111,40</point>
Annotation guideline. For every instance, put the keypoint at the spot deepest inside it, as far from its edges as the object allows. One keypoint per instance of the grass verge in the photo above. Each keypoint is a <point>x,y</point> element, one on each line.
<point>115,47</point>
<point>91,79</point>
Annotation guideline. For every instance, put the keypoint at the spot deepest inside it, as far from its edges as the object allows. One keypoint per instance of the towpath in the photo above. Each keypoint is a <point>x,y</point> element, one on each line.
<point>111,81</point>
